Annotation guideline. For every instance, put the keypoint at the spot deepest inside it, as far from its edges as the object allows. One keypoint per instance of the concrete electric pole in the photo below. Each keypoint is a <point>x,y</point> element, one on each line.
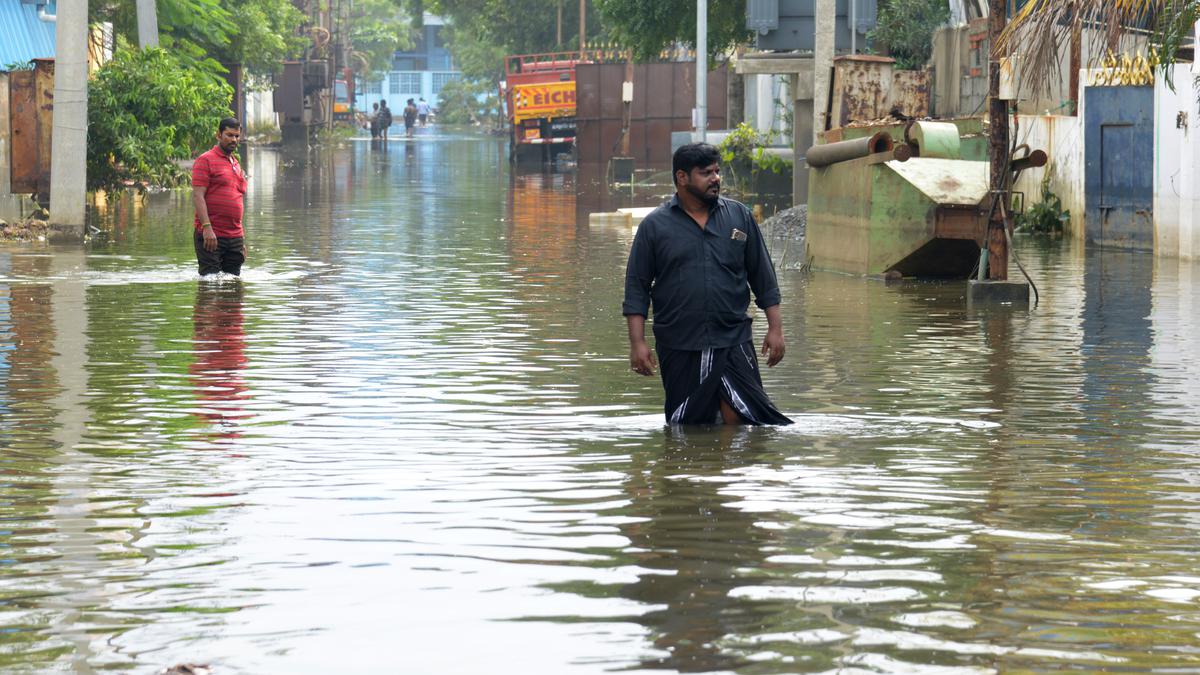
<point>147,21</point>
<point>823,46</point>
<point>68,156</point>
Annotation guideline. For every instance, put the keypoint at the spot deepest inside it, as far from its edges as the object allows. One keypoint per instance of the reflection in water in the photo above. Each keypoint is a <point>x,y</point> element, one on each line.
<point>219,342</point>
<point>432,453</point>
<point>694,547</point>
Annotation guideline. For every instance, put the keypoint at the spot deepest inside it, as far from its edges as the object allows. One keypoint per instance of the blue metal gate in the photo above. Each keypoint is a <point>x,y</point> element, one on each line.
<point>1119,165</point>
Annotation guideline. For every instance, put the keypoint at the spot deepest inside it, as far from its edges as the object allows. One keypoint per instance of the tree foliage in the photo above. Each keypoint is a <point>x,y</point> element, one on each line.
<point>378,29</point>
<point>147,112</point>
<point>648,28</point>
<point>907,27</point>
<point>482,32</point>
<point>468,102</point>
<point>260,34</point>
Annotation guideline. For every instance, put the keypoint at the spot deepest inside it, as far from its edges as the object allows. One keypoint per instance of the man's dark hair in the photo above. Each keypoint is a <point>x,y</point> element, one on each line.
<point>228,123</point>
<point>693,155</point>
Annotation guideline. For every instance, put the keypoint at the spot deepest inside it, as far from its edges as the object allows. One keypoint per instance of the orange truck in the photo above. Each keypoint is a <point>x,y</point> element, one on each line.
<point>538,92</point>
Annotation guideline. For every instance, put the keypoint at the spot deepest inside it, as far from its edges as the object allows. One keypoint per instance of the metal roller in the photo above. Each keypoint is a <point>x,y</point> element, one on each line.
<point>832,153</point>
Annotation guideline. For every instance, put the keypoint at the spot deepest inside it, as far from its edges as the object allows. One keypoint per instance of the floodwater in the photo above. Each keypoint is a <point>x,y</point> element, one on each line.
<point>408,441</point>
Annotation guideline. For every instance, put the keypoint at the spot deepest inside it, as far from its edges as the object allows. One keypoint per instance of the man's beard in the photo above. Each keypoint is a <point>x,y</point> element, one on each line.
<point>704,195</point>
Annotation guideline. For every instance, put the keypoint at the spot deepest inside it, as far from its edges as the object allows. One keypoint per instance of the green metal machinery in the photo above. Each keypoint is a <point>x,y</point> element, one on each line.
<point>901,200</point>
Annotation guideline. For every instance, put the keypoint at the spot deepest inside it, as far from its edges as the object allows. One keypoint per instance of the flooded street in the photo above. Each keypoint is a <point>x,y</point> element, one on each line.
<point>408,440</point>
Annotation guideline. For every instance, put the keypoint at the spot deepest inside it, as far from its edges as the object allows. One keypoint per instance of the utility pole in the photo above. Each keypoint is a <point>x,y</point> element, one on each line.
<point>147,22</point>
<point>68,161</point>
<point>559,31</point>
<point>997,263</point>
<point>701,71</point>
<point>853,26</point>
<point>823,46</point>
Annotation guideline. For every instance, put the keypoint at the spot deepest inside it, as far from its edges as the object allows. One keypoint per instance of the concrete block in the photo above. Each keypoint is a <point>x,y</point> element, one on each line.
<point>983,293</point>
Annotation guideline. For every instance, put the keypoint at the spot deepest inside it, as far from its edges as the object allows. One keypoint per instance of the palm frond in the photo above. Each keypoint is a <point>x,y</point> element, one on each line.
<point>1041,29</point>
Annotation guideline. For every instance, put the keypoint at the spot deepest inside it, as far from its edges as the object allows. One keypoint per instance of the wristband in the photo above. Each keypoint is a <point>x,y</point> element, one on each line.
<point>208,225</point>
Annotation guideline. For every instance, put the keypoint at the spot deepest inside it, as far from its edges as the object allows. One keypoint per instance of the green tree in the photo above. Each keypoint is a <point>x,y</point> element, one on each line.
<point>468,102</point>
<point>378,29</point>
<point>647,28</point>
<point>907,26</point>
<point>205,33</point>
<point>483,32</point>
<point>147,113</point>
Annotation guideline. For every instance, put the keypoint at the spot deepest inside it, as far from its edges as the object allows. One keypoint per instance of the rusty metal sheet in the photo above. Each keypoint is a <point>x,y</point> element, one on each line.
<point>25,138</point>
<point>662,102</point>
<point>661,91</point>
<point>587,92</point>
<point>43,78</point>
<point>946,181</point>
<point>911,92</point>
<point>587,141</point>
<point>611,77</point>
<point>861,89</point>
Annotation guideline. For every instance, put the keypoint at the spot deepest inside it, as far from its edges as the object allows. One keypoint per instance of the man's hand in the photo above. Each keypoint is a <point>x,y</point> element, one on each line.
<point>641,359</point>
<point>773,346</point>
<point>210,239</point>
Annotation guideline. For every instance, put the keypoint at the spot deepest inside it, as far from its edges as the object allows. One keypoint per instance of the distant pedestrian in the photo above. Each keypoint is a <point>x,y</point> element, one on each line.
<point>410,117</point>
<point>374,120</point>
<point>423,111</point>
<point>218,187</point>
<point>385,119</point>
<point>695,260</point>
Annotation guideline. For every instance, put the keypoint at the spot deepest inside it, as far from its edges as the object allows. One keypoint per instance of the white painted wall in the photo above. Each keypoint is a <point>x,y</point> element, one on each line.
<point>1177,167</point>
<point>260,110</point>
<point>1061,136</point>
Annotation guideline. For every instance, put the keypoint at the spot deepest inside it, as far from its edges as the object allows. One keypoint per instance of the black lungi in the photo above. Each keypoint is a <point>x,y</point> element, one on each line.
<point>228,257</point>
<point>697,381</point>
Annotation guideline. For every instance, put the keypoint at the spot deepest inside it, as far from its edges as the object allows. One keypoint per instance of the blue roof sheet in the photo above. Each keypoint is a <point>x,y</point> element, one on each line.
<point>23,36</point>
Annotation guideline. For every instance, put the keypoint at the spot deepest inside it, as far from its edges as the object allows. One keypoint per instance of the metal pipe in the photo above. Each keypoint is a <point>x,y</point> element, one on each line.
<point>853,26</point>
<point>831,153</point>
<point>702,70</point>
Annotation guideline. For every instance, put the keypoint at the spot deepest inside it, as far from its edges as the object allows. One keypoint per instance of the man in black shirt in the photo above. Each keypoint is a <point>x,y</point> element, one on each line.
<point>695,259</point>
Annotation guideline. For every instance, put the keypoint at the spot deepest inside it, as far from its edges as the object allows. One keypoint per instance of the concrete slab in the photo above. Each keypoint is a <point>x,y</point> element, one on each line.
<point>983,293</point>
<point>630,217</point>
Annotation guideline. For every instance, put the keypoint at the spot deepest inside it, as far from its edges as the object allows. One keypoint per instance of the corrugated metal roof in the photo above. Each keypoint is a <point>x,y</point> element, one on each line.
<point>25,36</point>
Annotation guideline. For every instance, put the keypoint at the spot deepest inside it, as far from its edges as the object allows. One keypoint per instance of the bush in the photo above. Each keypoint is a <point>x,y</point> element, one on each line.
<point>1045,217</point>
<point>906,27</point>
<point>465,102</point>
<point>745,146</point>
<point>146,114</point>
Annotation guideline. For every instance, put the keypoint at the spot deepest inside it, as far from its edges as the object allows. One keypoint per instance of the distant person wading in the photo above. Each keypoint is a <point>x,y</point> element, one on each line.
<point>218,186</point>
<point>695,260</point>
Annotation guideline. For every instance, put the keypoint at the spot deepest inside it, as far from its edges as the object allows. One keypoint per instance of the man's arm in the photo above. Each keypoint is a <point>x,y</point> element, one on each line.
<point>641,359</point>
<point>773,343</point>
<point>639,277</point>
<point>199,189</point>
<point>760,272</point>
<point>210,239</point>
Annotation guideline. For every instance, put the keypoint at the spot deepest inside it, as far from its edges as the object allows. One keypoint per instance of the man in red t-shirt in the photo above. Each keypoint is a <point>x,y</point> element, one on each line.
<point>218,185</point>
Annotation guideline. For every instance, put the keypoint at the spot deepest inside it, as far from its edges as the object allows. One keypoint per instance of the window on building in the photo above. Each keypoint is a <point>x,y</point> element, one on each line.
<point>394,83</point>
<point>410,83</point>
<point>440,80</point>
<point>374,87</point>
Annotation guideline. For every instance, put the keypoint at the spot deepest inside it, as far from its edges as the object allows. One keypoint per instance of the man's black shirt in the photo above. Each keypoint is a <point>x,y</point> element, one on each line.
<point>699,280</point>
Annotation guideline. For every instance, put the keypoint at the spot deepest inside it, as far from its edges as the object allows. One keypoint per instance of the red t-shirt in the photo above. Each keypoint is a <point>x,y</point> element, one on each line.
<point>224,184</point>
